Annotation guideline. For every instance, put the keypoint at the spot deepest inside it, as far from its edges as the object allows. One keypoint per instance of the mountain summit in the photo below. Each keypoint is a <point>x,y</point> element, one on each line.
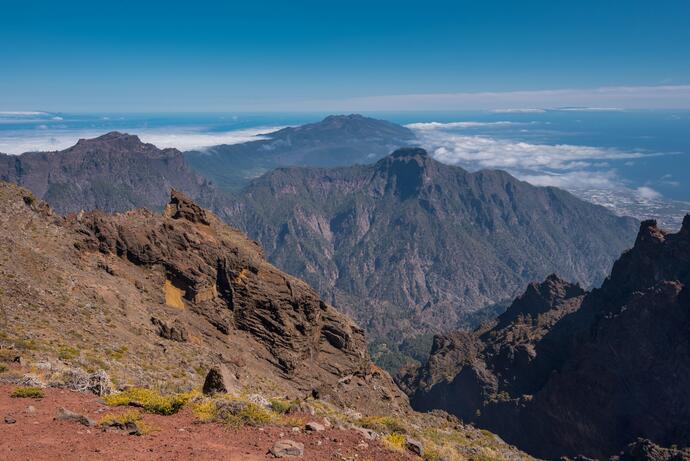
<point>113,172</point>
<point>335,141</point>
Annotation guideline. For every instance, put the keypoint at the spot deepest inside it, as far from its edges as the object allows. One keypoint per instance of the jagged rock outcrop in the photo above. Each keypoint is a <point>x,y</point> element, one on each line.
<point>174,331</point>
<point>115,284</point>
<point>593,374</point>
<point>470,370</point>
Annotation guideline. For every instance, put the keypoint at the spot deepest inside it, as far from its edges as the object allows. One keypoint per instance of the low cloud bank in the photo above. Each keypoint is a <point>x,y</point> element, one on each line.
<point>181,138</point>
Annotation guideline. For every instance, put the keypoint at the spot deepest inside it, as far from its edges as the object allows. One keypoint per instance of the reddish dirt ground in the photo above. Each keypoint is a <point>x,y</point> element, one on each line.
<point>37,436</point>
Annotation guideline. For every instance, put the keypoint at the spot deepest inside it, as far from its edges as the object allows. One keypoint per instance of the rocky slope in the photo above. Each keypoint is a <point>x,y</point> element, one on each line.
<point>334,141</point>
<point>114,172</point>
<point>424,243</point>
<point>163,297</point>
<point>567,373</point>
<point>155,301</point>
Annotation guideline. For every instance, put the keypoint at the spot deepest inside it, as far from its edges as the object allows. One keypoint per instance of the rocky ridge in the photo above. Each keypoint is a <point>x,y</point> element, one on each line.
<point>180,291</point>
<point>564,372</point>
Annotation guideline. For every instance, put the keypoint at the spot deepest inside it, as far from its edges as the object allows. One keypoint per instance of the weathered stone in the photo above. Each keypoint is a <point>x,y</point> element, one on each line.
<point>368,434</point>
<point>313,426</point>
<point>174,331</point>
<point>10,420</point>
<point>415,446</point>
<point>287,448</point>
<point>130,427</point>
<point>64,414</point>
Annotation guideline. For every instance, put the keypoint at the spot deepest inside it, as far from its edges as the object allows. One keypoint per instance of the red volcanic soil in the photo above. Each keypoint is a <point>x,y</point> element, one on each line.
<point>37,436</point>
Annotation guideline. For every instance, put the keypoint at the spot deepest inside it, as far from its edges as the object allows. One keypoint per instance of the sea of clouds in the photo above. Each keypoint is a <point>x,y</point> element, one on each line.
<point>567,166</point>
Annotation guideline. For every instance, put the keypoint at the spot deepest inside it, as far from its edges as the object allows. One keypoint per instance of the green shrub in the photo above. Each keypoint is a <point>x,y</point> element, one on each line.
<point>28,393</point>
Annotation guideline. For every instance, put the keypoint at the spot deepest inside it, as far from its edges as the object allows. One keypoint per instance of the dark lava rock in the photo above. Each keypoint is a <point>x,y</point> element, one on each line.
<point>219,380</point>
<point>64,414</point>
<point>567,373</point>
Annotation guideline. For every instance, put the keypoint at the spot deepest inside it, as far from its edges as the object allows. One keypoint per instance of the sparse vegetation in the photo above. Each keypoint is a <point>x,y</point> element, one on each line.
<point>205,411</point>
<point>129,416</point>
<point>28,393</point>
<point>238,412</point>
<point>150,400</point>
<point>395,441</point>
<point>117,354</point>
<point>383,424</point>
<point>67,353</point>
<point>3,368</point>
<point>281,406</point>
<point>251,414</point>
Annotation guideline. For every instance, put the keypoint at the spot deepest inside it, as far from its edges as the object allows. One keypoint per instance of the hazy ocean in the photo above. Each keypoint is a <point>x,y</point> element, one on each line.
<point>636,162</point>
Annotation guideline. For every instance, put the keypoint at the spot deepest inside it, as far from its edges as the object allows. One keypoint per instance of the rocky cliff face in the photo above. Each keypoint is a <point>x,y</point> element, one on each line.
<point>162,297</point>
<point>335,141</point>
<point>422,242</point>
<point>114,172</point>
<point>562,373</point>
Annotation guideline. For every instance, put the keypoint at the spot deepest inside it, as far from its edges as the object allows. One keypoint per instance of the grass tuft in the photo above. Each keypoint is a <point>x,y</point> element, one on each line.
<point>281,406</point>
<point>383,424</point>
<point>68,353</point>
<point>130,416</point>
<point>28,393</point>
<point>395,441</point>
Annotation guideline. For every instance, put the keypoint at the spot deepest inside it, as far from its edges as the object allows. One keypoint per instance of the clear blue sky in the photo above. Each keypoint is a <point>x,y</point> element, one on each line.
<point>202,55</point>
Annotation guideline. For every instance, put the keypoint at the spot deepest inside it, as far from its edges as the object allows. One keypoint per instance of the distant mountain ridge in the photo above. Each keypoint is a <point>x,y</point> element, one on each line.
<point>335,141</point>
<point>564,372</point>
<point>113,172</point>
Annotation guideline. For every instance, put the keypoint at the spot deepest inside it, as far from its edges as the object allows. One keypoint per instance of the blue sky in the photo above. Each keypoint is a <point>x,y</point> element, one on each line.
<point>225,56</point>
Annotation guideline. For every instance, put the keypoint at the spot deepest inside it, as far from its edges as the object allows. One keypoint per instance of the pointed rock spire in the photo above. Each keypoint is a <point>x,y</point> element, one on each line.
<point>182,207</point>
<point>685,228</point>
<point>649,233</point>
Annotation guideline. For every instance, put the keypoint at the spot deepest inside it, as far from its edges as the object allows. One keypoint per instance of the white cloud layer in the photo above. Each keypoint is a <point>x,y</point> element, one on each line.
<point>583,170</point>
<point>180,138</point>
<point>489,152</point>
<point>440,126</point>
